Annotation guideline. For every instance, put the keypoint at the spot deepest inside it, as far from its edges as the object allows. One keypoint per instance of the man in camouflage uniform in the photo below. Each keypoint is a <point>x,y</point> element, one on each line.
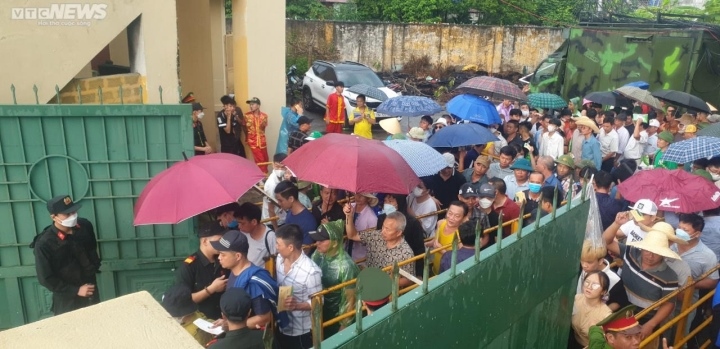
<point>337,267</point>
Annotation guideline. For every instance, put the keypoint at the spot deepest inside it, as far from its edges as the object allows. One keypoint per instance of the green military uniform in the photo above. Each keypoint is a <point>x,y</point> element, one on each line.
<point>374,286</point>
<point>621,321</point>
<point>235,305</point>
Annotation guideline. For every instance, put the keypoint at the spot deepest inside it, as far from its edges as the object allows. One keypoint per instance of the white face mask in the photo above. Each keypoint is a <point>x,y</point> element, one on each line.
<point>200,115</point>
<point>485,202</point>
<point>526,113</point>
<point>388,209</point>
<point>69,222</point>
<point>417,191</point>
<point>279,173</point>
<point>715,177</point>
<point>552,128</point>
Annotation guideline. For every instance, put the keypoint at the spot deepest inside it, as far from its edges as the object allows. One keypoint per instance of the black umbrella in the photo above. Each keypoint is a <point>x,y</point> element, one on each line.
<point>682,99</point>
<point>610,98</point>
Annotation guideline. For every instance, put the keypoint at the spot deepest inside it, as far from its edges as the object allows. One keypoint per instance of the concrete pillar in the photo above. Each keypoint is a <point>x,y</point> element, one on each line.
<point>259,58</point>
<point>217,43</point>
<point>194,22</point>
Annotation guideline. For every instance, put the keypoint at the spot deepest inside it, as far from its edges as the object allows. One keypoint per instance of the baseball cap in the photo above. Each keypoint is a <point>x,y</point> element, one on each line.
<point>449,159</point>
<point>303,120</point>
<point>468,191</point>
<point>197,106</point>
<point>321,234</point>
<point>654,123</point>
<point>62,204</point>
<point>253,100</point>
<point>483,160</point>
<point>643,206</point>
<point>211,229</point>
<point>177,301</point>
<point>486,191</point>
<point>233,241</point>
<point>235,304</point>
<point>313,136</point>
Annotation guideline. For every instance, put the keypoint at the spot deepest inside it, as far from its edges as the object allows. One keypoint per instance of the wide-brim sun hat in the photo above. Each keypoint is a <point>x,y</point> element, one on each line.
<point>656,242</point>
<point>391,125</point>
<point>586,121</point>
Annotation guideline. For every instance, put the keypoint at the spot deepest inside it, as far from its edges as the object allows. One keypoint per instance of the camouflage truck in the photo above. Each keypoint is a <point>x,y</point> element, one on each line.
<point>603,59</point>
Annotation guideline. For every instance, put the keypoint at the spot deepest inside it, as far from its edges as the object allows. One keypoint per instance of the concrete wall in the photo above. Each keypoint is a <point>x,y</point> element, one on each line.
<point>48,54</point>
<point>387,46</point>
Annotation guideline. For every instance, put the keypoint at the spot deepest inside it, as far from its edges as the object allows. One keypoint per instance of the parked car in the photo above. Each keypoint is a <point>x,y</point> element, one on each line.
<point>319,83</point>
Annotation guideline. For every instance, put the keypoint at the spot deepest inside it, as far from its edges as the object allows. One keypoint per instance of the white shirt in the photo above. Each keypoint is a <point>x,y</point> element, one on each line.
<point>513,187</point>
<point>269,189</point>
<point>623,137</point>
<point>258,248</point>
<point>609,142</point>
<point>632,231</point>
<point>501,142</point>
<point>634,148</point>
<point>552,146</point>
<point>421,208</point>
<point>651,146</point>
<point>304,277</point>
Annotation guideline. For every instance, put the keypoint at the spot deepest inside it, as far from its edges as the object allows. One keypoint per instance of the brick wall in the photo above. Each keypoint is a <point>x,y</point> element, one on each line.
<point>111,85</point>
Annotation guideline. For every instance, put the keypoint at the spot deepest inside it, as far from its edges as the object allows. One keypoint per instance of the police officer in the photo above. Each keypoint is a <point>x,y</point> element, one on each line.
<point>202,273</point>
<point>235,304</point>
<point>66,257</point>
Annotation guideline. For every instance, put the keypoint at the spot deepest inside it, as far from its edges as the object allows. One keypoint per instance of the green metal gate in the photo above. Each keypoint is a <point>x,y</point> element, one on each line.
<point>103,155</point>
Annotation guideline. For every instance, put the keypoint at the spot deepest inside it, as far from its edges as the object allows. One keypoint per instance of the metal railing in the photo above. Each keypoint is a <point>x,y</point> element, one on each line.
<point>318,325</point>
<point>686,309</point>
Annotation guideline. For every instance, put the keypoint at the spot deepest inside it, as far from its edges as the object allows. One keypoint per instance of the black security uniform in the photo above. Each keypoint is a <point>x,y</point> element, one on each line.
<point>199,137</point>
<point>230,143</point>
<point>197,272</point>
<point>65,262</point>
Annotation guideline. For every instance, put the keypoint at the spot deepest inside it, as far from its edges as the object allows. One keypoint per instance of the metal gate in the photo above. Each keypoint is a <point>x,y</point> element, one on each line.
<point>102,155</point>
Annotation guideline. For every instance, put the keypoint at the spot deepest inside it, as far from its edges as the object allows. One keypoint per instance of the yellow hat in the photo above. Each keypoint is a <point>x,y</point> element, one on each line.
<point>586,121</point>
<point>690,129</point>
<point>656,242</point>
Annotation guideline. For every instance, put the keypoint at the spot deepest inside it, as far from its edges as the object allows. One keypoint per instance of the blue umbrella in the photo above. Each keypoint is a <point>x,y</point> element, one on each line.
<point>639,84</point>
<point>423,159</point>
<point>409,106</point>
<point>689,150</point>
<point>473,108</point>
<point>460,135</point>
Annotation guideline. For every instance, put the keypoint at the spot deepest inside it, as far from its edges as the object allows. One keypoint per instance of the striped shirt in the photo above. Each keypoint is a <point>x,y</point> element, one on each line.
<point>304,277</point>
<point>644,287</point>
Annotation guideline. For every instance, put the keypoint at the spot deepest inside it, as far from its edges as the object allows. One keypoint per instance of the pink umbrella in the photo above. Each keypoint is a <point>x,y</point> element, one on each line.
<point>352,163</point>
<point>194,186</point>
<point>675,191</point>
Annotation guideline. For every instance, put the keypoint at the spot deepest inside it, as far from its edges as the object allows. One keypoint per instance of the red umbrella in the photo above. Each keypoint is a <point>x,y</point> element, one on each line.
<point>676,191</point>
<point>194,186</point>
<point>352,163</point>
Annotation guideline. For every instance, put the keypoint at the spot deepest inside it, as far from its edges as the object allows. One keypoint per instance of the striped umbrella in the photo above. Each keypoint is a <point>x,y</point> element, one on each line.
<point>423,159</point>
<point>546,101</point>
<point>493,88</point>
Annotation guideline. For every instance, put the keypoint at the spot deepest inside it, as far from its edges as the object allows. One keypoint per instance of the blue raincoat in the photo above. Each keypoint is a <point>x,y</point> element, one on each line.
<point>289,124</point>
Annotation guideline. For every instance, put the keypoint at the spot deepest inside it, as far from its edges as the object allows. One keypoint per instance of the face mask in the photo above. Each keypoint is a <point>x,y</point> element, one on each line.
<point>417,192</point>
<point>70,221</point>
<point>534,188</point>
<point>485,202</point>
<point>388,209</point>
<point>682,234</point>
<point>526,113</point>
<point>715,177</point>
<point>279,173</point>
<point>552,128</point>
<point>233,224</point>
<point>200,115</point>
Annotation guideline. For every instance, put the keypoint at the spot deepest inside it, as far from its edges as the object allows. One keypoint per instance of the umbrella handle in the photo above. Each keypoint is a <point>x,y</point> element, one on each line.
<point>185,156</point>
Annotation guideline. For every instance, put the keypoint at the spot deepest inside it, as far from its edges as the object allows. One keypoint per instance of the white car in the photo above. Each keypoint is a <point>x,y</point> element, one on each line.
<point>319,83</point>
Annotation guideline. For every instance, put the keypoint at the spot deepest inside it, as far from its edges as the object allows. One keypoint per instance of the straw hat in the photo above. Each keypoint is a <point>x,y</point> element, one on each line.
<point>391,125</point>
<point>666,229</point>
<point>586,121</point>
<point>657,243</point>
<point>372,199</point>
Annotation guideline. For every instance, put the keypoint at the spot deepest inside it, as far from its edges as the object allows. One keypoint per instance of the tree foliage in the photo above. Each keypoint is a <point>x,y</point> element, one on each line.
<point>306,9</point>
